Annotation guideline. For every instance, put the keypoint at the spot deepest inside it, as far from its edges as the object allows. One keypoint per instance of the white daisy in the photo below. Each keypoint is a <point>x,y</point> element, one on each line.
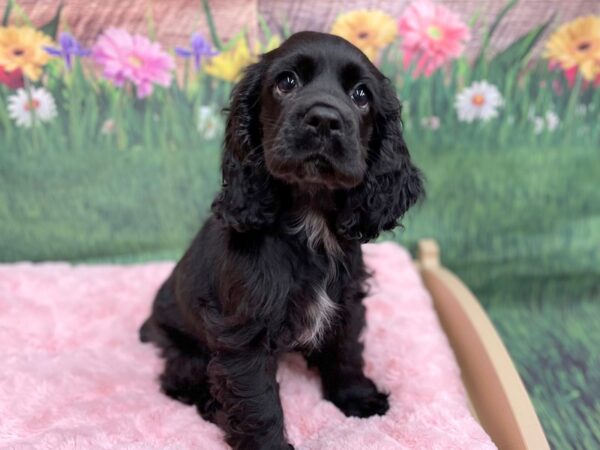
<point>480,101</point>
<point>552,120</point>
<point>548,121</point>
<point>209,124</point>
<point>538,124</point>
<point>431,123</point>
<point>108,127</point>
<point>23,106</point>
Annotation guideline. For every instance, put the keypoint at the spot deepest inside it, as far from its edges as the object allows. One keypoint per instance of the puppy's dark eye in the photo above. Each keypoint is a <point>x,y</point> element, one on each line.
<point>360,96</point>
<point>286,82</point>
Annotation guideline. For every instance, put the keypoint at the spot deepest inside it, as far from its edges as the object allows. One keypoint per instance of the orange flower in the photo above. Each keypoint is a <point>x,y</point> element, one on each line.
<point>576,44</point>
<point>23,48</point>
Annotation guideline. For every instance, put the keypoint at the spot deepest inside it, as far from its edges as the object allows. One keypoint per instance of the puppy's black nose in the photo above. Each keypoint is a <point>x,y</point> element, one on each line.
<point>323,119</point>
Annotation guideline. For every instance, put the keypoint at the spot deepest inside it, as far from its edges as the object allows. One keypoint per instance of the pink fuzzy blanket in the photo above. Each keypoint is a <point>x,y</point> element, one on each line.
<point>73,374</point>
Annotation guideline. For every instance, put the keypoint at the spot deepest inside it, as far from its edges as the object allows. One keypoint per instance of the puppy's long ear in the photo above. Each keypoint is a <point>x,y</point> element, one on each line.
<point>247,200</point>
<point>392,183</point>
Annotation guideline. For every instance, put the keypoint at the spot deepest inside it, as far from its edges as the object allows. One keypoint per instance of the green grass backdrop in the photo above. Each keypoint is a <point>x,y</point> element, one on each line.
<point>517,214</point>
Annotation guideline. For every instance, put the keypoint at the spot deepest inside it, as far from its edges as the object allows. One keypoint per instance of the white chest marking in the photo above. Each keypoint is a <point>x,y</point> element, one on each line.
<point>319,315</point>
<point>317,232</point>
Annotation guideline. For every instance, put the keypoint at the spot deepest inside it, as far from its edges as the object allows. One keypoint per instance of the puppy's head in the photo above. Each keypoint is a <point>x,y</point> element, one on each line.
<point>317,121</point>
<point>315,115</point>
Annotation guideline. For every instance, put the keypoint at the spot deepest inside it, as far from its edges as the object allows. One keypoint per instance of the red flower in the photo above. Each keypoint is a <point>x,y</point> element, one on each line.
<point>571,76</point>
<point>12,79</point>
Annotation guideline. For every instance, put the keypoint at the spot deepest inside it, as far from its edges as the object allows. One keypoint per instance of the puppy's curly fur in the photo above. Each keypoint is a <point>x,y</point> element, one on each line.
<point>314,164</point>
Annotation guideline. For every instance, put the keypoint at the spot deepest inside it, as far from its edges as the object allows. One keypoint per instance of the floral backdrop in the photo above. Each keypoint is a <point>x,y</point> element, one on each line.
<point>110,152</point>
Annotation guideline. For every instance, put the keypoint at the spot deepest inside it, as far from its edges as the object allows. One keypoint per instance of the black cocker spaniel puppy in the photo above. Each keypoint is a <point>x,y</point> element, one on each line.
<point>314,164</point>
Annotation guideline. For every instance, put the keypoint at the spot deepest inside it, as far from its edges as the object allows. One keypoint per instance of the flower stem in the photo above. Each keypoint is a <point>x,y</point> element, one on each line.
<point>30,100</point>
<point>572,101</point>
<point>211,25</point>
<point>186,76</point>
<point>32,111</point>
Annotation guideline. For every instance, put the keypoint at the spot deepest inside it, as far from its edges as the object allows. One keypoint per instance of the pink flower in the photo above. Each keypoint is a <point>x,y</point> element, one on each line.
<point>126,57</point>
<point>431,35</point>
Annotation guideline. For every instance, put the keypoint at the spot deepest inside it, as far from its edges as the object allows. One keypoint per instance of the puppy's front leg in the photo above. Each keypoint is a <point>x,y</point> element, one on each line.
<point>244,384</point>
<point>340,363</point>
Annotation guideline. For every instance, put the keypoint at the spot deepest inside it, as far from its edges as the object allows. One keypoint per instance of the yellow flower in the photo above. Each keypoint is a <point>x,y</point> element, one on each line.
<point>23,48</point>
<point>577,44</point>
<point>228,65</point>
<point>273,43</point>
<point>369,30</point>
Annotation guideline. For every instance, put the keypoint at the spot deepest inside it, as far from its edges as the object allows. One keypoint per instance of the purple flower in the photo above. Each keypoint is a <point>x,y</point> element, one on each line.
<point>200,48</point>
<point>69,48</point>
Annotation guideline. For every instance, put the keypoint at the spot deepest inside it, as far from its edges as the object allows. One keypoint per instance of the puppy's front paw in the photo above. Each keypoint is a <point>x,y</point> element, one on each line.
<point>359,399</point>
<point>254,445</point>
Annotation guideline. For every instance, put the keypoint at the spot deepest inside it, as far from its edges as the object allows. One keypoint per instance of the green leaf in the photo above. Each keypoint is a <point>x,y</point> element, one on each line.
<point>515,53</point>
<point>7,11</point>
<point>474,18</point>
<point>19,15</point>
<point>286,29</point>
<point>51,27</point>
<point>233,41</point>
<point>573,101</point>
<point>211,26</point>
<point>488,36</point>
<point>150,22</point>
<point>264,26</point>
<point>462,71</point>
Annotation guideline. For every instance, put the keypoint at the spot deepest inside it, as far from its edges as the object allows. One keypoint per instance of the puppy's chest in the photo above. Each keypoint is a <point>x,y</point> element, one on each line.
<point>312,314</point>
<point>313,308</point>
<point>313,305</point>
